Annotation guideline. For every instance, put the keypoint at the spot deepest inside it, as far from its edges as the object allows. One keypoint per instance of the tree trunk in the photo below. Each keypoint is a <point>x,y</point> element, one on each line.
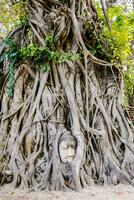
<point>64,128</point>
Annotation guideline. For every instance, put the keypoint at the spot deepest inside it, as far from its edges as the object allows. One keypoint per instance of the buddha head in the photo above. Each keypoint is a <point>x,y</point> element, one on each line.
<point>67,147</point>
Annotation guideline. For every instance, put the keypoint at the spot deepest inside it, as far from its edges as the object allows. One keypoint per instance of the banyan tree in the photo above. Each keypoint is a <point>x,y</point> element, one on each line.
<point>62,123</point>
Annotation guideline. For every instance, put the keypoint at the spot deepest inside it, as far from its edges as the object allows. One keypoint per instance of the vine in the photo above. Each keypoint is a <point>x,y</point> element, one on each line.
<point>12,56</point>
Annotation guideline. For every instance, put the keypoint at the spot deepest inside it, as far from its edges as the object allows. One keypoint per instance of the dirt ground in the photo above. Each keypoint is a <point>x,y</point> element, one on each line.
<point>119,192</point>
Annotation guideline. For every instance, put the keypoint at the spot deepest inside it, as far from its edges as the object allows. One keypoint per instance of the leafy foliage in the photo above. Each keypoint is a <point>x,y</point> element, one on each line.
<point>119,40</point>
<point>121,34</point>
<point>43,56</point>
<point>40,57</point>
<point>11,15</point>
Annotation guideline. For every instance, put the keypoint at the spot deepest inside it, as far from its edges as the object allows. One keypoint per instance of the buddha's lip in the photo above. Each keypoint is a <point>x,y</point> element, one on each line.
<point>70,156</point>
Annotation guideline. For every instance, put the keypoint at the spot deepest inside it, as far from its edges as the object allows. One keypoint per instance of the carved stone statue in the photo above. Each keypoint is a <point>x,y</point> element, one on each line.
<point>67,147</point>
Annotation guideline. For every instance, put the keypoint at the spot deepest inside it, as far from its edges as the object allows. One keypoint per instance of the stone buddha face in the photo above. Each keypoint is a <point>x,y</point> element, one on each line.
<point>67,147</point>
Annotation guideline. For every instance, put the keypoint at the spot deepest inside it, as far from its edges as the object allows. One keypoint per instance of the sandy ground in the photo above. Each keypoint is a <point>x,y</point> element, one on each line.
<point>120,192</point>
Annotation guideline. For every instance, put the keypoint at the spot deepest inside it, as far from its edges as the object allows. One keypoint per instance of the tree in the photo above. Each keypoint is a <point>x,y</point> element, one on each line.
<point>62,125</point>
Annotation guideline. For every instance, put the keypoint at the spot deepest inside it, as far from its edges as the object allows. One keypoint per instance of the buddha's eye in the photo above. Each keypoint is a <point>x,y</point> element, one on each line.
<point>72,146</point>
<point>65,147</point>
